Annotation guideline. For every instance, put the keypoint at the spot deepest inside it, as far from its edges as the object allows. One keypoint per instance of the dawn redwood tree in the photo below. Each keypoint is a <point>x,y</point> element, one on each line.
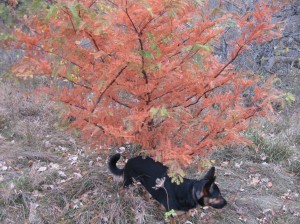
<point>144,72</point>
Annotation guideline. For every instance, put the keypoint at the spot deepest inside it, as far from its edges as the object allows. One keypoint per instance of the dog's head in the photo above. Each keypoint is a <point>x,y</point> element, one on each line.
<point>207,193</point>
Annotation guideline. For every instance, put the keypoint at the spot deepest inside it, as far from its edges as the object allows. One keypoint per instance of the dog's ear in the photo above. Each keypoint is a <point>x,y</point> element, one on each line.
<point>210,175</point>
<point>200,190</point>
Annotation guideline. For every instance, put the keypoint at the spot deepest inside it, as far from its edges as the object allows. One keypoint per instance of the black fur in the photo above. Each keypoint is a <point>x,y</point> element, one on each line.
<point>182,197</point>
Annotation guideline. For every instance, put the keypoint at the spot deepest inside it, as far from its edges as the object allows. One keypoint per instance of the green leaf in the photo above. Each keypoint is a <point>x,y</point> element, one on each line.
<point>155,67</point>
<point>150,36</point>
<point>163,112</point>
<point>4,36</point>
<point>290,98</point>
<point>187,48</point>
<point>52,11</point>
<point>154,46</point>
<point>277,81</point>
<point>74,11</point>
<point>145,4</point>
<point>169,214</point>
<point>167,39</point>
<point>198,60</point>
<point>146,54</point>
<point>180,179</point>
<point>172,13</point>
<point>198,46</point>
<point>153,111</point>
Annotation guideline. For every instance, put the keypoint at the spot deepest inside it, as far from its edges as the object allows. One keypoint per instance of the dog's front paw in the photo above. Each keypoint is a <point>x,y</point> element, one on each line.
<point>193,212</point>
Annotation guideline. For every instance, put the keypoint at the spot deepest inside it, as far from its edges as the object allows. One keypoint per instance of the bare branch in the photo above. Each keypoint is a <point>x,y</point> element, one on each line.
<point>108,86</point>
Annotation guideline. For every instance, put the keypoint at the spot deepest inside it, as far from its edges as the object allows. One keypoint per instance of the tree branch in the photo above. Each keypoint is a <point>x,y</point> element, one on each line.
<point>139,33</point>
<point>121,103</point>
<point>108,86</point>
<point>66,11</point>
<point>218,74</point>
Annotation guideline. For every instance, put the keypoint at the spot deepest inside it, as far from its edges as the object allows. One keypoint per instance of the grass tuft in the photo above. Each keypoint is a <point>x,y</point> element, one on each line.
<point>295,168</point>
<point>274,150</point>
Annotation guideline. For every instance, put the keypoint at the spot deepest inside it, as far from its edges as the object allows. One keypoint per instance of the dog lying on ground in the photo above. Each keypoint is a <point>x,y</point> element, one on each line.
<point>182,197</point>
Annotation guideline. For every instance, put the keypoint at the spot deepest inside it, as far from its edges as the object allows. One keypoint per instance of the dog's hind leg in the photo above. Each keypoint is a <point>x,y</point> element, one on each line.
<point>127,181</point>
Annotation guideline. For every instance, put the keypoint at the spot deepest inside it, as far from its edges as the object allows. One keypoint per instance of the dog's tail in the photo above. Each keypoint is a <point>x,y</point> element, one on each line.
<point>112,165</point>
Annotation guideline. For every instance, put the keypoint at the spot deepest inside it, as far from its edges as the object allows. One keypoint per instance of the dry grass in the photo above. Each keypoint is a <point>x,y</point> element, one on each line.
<point>75,185</point>
<point>269,150</point>
<point>23,117</point>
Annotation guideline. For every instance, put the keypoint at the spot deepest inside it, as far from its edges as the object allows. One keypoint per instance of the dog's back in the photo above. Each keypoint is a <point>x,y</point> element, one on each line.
<point>146,167</point>
<point>137,165</point>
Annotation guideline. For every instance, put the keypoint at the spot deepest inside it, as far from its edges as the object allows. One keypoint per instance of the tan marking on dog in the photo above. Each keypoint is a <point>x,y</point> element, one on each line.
<point>206,201</point>
<point>214,201</point>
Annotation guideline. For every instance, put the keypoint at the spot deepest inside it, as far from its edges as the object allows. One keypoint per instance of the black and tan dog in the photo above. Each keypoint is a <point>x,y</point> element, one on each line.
<point>182,197</point>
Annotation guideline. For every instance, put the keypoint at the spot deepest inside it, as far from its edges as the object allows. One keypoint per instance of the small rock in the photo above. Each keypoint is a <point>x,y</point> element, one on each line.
<point>238,165</point>
<point>4,168</point>
<point>104,219</point>
<point>64,149</point>
<point>72,141</point>
<point>12,186</point>
<point>42,169</point>
<point>243,218</point>
<point>47,144</point>
<point>188,222</point>
<point>263,156</point>
<point>48,187</point>
<point>62,173</point>
<point>284,208</point>
<point>78,175</point>
<point>54,166</point>
<point>269,184</point>
<point>34,216</point>
<point>225,163</point>
<point>73,159</point>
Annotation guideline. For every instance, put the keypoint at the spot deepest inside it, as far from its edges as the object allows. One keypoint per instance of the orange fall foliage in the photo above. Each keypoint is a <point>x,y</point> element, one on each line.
<point>144,72</point>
